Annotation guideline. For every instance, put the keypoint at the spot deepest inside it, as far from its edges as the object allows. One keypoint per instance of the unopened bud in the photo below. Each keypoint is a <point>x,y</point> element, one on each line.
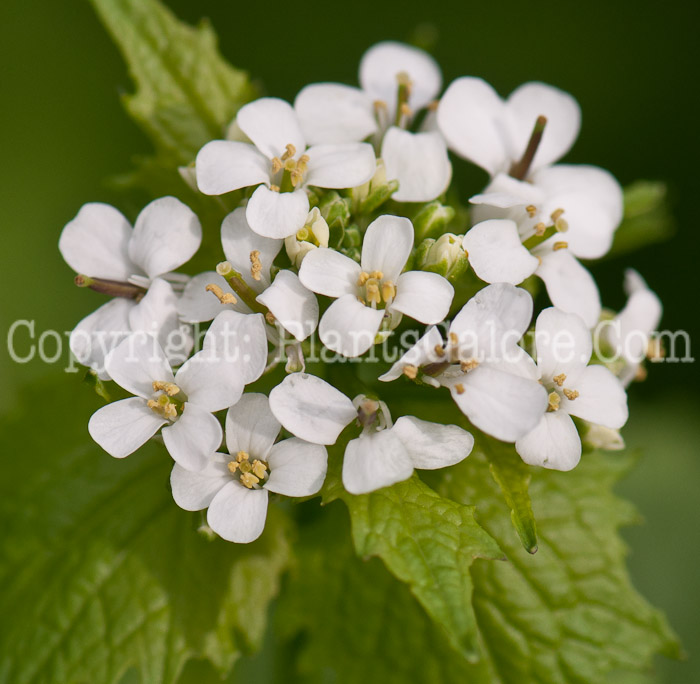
<point>432,220</point>
<point>374,193</point>
<point>315,233</point>
<point>445,256</point>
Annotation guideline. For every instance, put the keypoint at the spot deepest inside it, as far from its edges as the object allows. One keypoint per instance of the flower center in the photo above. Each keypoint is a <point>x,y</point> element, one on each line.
<point>249,474</point>
<point>556,390</point>
<point>544,230</point>
<point>288,171</point>
<point>168,400</point>
<point>374,290</point>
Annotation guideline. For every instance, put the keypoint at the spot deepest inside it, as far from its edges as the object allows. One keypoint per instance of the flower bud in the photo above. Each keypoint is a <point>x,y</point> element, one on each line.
<point>432,219</point>
<point>313,234</point>
<point>444,256</point>
<point>375,192</point>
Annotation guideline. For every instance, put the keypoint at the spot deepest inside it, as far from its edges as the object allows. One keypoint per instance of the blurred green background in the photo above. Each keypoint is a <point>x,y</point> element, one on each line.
<point>632,66</point>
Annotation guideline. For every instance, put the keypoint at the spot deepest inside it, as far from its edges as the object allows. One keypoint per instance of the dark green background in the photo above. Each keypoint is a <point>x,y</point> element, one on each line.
<point>632,66</point>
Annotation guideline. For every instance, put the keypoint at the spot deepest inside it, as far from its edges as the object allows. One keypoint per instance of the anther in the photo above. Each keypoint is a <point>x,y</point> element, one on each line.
<point>249,480</point>
<point>223,297</point>
<point>410,372</point>
<point>373,295</point>
<point>556,214</point>
<point>439,350</point>
<point>388,291</point>
<point>454,340</point>
<point>276,164</point>
<point>570,394</point>
<point>270,318</point>
<point>559,245</point>
<point>459,388</point>
<point>468,365</point>
<point>559,379</point>
<point>256,265</point>
<point>259,469</point>
<point>554,401</point>
<point>290,152</point>
<point>275,188</point>
<point>540,229</point>
<point>362,278</point>
<point>531,210</point>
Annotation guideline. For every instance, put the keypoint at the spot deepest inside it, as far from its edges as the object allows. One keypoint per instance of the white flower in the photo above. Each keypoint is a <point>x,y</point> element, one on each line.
<point>234,487</point>
<point>313,234</point>
<point>629,333</point>
<point>396,82</point>
<point>373,294</point>
<point>383,454</point>
<point>233,354</point>
<point>492,380</point>
<point>251,255</point>
<point>280,164</point>
<point>592,393</point>
<point>131,265</point>
<point>564,212</point>
<point>494,133</point>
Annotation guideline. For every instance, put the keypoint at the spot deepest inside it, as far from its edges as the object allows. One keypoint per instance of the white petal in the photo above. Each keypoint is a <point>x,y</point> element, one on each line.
<point>383,62</point>
<point>563,114</point>
<point>100,332</point>
<point>592,201</point>
<point>166,235</point>
<point>225,165</point>
<point>602,399</point>
<point>564,344</point>
<point>334,113</point>
<point>493,321</point>
<point>251,426</point>
<point>311,409</point>
<point>240,339</point>
<point>348,327</point>
<point>295,307</point>
<point>137,362</point>
<point>387,245</point>
<point>239,241</point>
<point>197,305</point>
<point>194,491</point>
<point>210,381</point>
<point>297,468</point>
<point>237,514</point>
<point>506,192</point>
<point>419,162</point>
<point>96,243</point>
<point>329,272</point>
<point>193,437</point>
<point>277,214</point>
<point>340,165</point>
<point>122,427</point>
<point>420,354</point>
<point>374,461</point>
<point>570,286</point>
<point>554,443</point>
<point>156,311</point>
<point>272,125</point>
<point>470,117</point>
<point>496,253</point>
<point>425,297</point>
<point>431,445</point>
<point>503,405</point>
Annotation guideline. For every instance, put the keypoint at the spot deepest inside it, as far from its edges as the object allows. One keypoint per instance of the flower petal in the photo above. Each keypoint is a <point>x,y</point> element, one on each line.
<point>122,427</point>
<point>277,214</point>
<point>272,125</point>
<point>469,116</point>
<point>193,437</point>
<point>311,409</point>
<point>387,245</point>
<point>564,344</point>
<point>554,443</point>
<point>137,362</point>
<point>425,297</point>
<point>295,307</point>
<point>420,354</point>
<point>297,468</point>
<point>419,162</point>
<point>197,305</point>
<point>430,445</point>
<point>166,235</point>
<point>334,113</point>
<point>194,491</point>
<point>348,327</point>
<point>383,62</point>
<point>563,114</point>
<point>329,273</point>
<point>601,400</point>
<point>224,165</point>
<point>210,381</point>
<point>239,339</point>
<point>504,405</point>
<point>251,426</point>
<point>96,243</point>
<point>570,286</point>
<point>239,242</point>
<point>373,461</point>
<point>496,253</point>
<point>340,165</point>
<point>237,514</point>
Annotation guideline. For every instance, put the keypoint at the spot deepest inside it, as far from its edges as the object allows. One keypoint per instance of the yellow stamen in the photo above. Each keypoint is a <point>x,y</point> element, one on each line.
<point>468,365</point>
<point>249,480</point>
<point>540,229</point>
<point>259,469</point>
<point>276,164</point>
<point>362,278</point>
<point>242,456</point>
<point>459,388</point>
<point>556,214</point>
<point>256,265</point>
<point>439,350</point>
<point>232,467</point>
<point>376,274</point>
<point>290,152</point>
<point>454,339</point>
<point>223,297</point>
<point>170,388</point>
<point>388,291</point>
<point>270,318</point>
<point>559,379</point>
<point>570,394</point>
<point>554,401</point>
<point>559,245</point>
<point>531,210</point>
<point>373,295</point>
<point>275,188</point>
<point>410,372</point>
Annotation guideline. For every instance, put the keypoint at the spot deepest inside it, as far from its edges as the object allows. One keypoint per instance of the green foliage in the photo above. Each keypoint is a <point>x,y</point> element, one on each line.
<point>101,571</point>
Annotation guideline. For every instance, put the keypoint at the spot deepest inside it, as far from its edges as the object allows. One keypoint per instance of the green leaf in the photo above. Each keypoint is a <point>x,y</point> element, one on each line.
<point>568,613</point>
<point>102,572</point>
<point>513,477</point>
<point>647,218</point>
<point>186,93</point>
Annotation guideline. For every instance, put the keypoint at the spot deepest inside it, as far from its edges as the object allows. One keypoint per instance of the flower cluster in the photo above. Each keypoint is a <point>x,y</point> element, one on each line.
<point>339,237</point>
